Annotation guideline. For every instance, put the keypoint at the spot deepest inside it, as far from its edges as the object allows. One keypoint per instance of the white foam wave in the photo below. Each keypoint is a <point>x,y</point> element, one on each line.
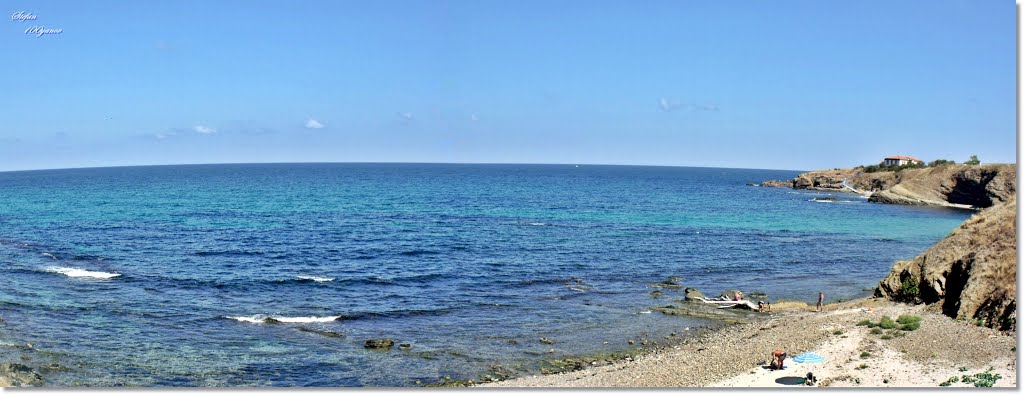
<point>260,319</point>
<point>831,201</point>
<point>76,272</point>
<point>49,255</point>
<point>537,224</point>
<point>314,278</point>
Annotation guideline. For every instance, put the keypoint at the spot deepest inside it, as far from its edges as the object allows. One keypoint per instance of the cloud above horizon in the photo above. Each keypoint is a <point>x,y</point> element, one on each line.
<point>669,105</point>
<point>202,129</point>
<point>313,124</point>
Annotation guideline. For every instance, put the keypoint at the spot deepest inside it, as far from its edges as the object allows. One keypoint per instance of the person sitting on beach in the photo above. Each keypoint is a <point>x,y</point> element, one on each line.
<point>738,296</point>
<point>778,358</point>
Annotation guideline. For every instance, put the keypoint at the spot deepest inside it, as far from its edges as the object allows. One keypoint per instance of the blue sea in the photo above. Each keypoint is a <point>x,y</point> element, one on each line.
<point>162,275</point>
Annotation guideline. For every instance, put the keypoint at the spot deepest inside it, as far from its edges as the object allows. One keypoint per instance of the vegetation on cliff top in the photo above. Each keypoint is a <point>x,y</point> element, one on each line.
<point>881,166</point>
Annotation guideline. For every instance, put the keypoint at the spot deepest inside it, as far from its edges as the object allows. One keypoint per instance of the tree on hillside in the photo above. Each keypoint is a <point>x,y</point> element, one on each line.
<point>941,162</point>
<point>973,161</point>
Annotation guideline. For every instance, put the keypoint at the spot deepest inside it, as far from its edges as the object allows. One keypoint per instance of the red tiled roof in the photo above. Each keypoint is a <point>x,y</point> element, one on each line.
<point>901,157</point>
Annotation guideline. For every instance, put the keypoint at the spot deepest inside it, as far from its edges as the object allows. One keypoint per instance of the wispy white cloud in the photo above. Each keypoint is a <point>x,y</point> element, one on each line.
<point>406,115</point>
<point>166,134</point>
<point>473,117</point>
<point>668,104</point>
<point>313,124</point>
<point>204,129</point>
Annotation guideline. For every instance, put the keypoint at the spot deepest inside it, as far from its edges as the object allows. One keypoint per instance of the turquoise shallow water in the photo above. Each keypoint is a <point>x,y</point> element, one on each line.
<point>469,264</point>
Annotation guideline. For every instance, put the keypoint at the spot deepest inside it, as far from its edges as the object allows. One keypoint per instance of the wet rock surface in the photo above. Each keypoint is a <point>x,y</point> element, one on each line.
<point>18,375</point>
<point>379,344</point>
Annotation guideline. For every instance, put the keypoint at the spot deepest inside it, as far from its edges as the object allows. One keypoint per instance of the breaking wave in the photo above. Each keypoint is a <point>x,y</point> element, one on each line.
<point>76,272</point>
<point>273,319</point>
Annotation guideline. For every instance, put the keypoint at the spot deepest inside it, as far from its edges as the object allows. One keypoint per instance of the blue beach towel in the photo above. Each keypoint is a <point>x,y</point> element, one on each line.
<point>808,357</point>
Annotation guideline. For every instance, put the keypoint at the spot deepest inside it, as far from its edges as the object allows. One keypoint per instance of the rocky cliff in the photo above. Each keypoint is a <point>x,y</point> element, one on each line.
<point>952,185</point>
<point>971,274</point>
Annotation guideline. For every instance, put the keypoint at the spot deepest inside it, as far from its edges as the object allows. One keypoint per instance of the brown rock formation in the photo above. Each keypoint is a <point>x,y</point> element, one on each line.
<point>971,274</point>
<point>976,186</point>
<point>952,185</point>
<point>778,183</point>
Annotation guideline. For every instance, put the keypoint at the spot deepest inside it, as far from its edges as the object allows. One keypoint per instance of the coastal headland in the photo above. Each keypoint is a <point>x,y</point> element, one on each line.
<point>945,318</point>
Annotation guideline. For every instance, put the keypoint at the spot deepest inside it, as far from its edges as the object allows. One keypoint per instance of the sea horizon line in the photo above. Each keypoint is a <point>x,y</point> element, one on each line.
<point>392,163</point>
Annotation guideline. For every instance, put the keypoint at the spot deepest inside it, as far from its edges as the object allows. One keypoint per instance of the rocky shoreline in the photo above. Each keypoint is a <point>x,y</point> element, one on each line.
<point>735,355</point>
<point>961,292</point>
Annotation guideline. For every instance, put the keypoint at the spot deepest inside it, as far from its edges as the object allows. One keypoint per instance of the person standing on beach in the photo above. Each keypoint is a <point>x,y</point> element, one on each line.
<point>821,299</point>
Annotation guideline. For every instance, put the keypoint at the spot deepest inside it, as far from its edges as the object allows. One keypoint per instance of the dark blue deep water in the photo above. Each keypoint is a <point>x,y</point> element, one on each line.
<point>469,264</point>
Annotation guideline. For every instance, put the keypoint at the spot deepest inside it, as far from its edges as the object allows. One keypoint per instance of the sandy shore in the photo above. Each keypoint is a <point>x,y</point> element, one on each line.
<point>735,355</point>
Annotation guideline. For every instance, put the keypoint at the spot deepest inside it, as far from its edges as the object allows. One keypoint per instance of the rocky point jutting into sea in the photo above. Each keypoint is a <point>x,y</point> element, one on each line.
<point>971,274</point>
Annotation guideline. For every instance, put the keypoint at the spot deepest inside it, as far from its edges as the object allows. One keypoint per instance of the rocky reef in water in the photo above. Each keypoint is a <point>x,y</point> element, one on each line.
<point>976,186</point>
<point>969,275</point>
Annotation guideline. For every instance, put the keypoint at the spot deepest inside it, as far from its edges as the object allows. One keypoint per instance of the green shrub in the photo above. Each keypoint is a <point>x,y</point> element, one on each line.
<point>913,326</point>
<point>865,354</point>
<point>837,332</point>
<point>862,366</point>
<point>941,162</point>
<point>909,290</point>
<point>886,337</point>
<point>887,323</point>
<point>987,380</point>
<point>876,331</point>
<point>973,161</point>
<point>906,319</point>
<point>866,323</point>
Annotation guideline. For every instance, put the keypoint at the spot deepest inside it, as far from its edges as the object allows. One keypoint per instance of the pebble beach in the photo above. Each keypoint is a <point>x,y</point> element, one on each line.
<point>736,355</point>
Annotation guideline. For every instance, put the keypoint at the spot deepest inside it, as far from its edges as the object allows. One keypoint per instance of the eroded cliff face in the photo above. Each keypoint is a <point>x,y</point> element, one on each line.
<point>971,274</point>
<point>974,186</point>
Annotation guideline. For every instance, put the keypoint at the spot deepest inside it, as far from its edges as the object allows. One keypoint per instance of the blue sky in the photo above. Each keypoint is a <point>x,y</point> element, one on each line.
<point>780,84</point>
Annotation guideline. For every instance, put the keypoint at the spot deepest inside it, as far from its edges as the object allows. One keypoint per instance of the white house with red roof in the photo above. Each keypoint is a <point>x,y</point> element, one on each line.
<point>900,160</point>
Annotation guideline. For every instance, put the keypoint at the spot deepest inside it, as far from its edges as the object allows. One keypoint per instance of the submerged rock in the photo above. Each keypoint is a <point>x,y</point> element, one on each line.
<point>546,340</point>
<point>379,344</point>
<point>672,282</point>
<point>322,332</point>
<point>18,375</point>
